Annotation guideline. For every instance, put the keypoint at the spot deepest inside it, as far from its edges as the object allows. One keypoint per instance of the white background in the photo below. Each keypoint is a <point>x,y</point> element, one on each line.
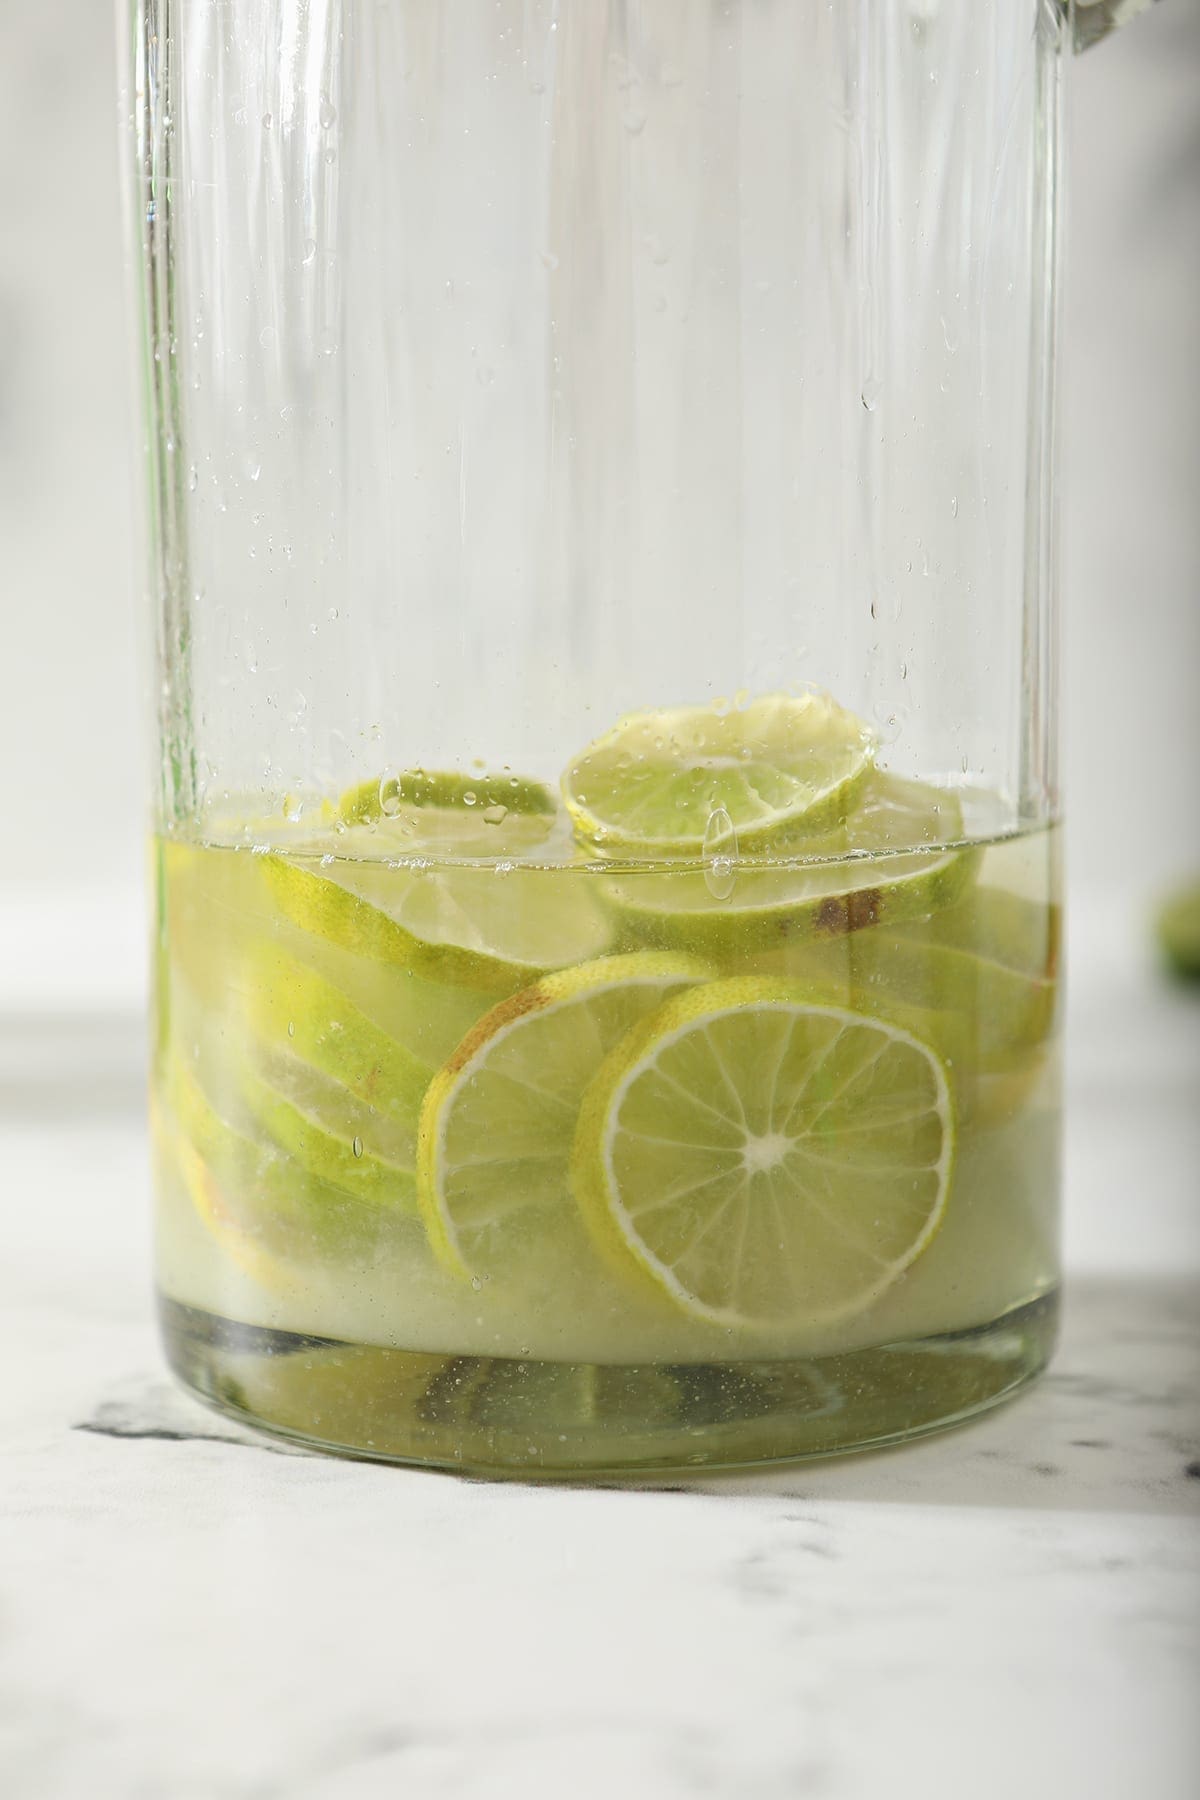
<point>71,706</point>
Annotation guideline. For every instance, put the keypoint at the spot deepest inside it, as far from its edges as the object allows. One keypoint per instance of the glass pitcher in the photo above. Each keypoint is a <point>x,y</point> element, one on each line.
<point>606,871</point>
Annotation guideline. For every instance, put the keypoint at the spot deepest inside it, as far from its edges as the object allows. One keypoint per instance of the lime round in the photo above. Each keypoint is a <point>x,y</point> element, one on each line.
<point>978,981</point>
<point>495,1134</point>
<point>888,861</point>
<point>762,1159</point>
<point>290,1006</point>
<point>327,1131</point>
<point>779,765</point>
<point>250,1193</point>
<point>489,928</point>
<point>450,813</point>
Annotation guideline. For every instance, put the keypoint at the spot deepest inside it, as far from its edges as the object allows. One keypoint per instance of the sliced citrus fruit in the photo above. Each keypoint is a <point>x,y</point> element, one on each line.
<point>1178,928</point>
<point>978,981</point>
<point>291,1007</point>
<point>765,1160</point>
<point>496,1127</point>
<point>453,814</point>
<point>336,1137</point>
<point>490,928</point>
<point>252,1189</point>
<point>887,862</point>
<point>779,765</point>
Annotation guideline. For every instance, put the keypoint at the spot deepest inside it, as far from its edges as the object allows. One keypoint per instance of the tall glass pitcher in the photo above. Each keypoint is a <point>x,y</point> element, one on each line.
<point>607,905</point>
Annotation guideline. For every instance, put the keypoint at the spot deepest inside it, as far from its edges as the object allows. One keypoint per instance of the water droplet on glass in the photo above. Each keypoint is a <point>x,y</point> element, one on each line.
<point>485,375</point>
<point>357,1146</point>
<point>326,114</point>
<point>870,394</point>
<point>389,796</point>
<point>495,815</point>
<point>310,250</point>
<point>549,260</point>
<point>954,507</point>
<point>720,850</point>
<point>193,478</point>
<point>268,121</point>
<point>291,1028</point>
<point>252,466</point>
<point>333,615</point>
<point>476,1283</point>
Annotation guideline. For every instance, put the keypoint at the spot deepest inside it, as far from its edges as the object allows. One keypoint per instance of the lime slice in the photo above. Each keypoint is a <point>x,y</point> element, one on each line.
<point>979,980</point>
<point>496,1128</point>
<point>772,768</point>
<point>446,812</point>
<point>867,872</point>
<point>763,1160</point>
<point>254,1193</point>
<point>291,1007</point>
<point>1179,931</point>
<point>174,1149</point>
<point>489,928</point>
<point>332,1135</point>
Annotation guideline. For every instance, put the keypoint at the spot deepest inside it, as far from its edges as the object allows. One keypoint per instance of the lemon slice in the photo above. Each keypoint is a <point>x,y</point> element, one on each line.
<point>888,862</point>
<point>449,813</point>
<point>333,1136</point>
<point>763,1160</point>
<point>495,1135</point>
<point>488,928</point>
<point>780,765</point>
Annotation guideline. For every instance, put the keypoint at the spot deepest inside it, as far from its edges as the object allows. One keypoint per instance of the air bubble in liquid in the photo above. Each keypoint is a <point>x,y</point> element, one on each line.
<point>720,853</point>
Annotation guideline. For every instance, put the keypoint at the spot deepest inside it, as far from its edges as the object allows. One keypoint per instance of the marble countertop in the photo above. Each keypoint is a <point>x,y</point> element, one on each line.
<point>1011,1609</point>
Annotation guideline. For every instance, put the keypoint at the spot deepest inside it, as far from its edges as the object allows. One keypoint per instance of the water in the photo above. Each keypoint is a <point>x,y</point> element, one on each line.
<point>309,1281</point>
